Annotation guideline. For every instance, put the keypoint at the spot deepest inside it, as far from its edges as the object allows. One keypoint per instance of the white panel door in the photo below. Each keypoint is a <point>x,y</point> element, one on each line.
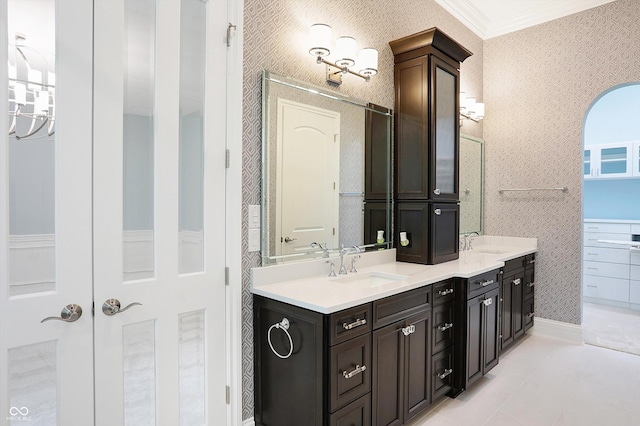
<point>46,368</point>
<point>159,224</point>
<point>308,177</point>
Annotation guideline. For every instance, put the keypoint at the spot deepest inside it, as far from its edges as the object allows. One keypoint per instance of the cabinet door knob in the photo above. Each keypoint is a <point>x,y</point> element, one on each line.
<point>487,302</point>
<point>517,281</point>
<point>437,211</point>
<point>408,329</point>
<point>436,191</point>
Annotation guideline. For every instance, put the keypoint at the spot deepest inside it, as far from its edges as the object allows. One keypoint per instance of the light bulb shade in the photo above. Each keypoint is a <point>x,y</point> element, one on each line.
<point>471,105</point>
<point>41,104</point>
<point>368,61</point>
<point>345,51</point>
<point>480,110</point>
<point>320,40</point>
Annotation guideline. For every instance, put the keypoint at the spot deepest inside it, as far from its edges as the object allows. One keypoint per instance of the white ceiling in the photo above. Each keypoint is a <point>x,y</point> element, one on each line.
<point>492,18</point>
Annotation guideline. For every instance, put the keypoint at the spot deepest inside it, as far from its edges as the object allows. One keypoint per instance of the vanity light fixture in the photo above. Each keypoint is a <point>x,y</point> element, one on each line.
<point>470,109</point>
<point>30,97</point>
<point>344,55</point>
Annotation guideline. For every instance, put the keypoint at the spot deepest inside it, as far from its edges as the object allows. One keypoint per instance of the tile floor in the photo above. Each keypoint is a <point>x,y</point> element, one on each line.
<point>611,327</point>
<point>544,381</point>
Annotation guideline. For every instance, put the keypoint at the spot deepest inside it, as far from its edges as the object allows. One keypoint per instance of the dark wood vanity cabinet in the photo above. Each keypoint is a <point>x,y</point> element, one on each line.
<point>479,319</point>
<point>516,299</point>
<point>426,149</point>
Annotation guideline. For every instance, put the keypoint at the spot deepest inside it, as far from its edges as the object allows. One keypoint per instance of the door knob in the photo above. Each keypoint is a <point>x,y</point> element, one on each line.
<point>112,306</point>
<point>70,313</point>
<point>288,240</point>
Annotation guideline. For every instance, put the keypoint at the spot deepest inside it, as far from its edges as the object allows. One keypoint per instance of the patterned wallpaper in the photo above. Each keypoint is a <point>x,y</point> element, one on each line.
<point>275,35</point>
<point>538,85</point>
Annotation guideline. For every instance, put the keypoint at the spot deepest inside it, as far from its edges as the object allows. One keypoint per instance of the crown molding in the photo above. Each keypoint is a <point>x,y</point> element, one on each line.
<point>491,18</point>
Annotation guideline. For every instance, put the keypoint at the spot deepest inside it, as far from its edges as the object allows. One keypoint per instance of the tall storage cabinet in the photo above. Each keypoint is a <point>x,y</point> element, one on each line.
<point>426,146</point>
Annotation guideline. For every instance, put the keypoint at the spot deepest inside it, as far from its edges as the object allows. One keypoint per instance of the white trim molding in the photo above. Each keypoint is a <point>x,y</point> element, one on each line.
<point>557,329</point>
<point>249,422</point>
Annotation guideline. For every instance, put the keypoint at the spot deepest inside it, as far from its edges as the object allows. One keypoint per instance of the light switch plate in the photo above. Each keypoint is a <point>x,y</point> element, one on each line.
<point>254,239</point>
<point>254,216</point>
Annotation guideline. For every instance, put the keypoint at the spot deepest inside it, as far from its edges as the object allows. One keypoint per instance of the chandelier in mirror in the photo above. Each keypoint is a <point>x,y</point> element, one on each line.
<point>31,91</point>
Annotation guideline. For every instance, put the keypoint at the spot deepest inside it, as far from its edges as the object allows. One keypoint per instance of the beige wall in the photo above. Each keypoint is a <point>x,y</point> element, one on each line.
<point>538,86</point>
<point>275,38</point>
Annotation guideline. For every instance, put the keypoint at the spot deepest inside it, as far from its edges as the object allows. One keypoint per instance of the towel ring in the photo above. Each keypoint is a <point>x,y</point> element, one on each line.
<point>284,326</point>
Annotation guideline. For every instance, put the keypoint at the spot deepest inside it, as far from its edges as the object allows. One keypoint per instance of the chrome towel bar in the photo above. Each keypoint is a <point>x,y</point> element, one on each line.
<point>563,189</point>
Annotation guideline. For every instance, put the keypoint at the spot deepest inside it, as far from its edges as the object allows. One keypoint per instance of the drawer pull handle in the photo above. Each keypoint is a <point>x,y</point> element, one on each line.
<point>487,302</point>
<point>530,315</point>
<point>593,269</point>
<point>592,286</point>
<point>531,284</point>
<point>408,329</point>
<point>517,281</point>
<point>446,326</point>
<point>531,262</point>
<point>357,370</point>
<point>284,326</point>
<point>357,323</point>
<point>592,254</point>
<point>485,283</point>
<point>445,292</point>
<point>445,373</point>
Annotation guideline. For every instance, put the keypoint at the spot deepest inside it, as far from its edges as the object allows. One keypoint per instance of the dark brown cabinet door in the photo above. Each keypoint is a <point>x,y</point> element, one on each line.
<point>444,232</point>
<point>517,301</point>
<point>388,374</point>
<point>506,334</point>
<point>475,331</point>
<point>413,218</point>
<point>491,321</point>
<point>443,326</point>
<point>417,392</point>
<point>529,313</point>
<point>411,129</point>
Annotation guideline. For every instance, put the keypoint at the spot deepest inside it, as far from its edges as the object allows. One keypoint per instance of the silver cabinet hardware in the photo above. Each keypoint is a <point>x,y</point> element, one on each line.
<point>436,191</point>
<point>437,211</point>
<point>445,291</point>
<point>593,269</point>
<point>517,281</point>
<point>531,314</point>
<point>357,370</point>
<point>445,326</point>
<point>532,261</point>
<point>69,313</point>
<point>592,286</point>
<point>445,373</point>
<point>531,284</point>
<point>111,307</point>
<point>485,283</point>
<point>288,240</point>
<point>284,326</point>
<point>487,302</point>
<point>357,323</point>
<point>408,329</point>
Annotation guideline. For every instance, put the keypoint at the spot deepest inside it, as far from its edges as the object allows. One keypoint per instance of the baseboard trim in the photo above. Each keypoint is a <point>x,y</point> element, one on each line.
<point>557,329</point>
<point>249,422</point>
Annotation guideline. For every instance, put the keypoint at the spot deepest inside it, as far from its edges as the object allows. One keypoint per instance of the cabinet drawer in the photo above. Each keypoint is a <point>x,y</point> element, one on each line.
<point>611,255</point>
<point>591,239</point>
<point>635,228</point>
<point>529,282</point>
<point>443,326</point>
<point>530,260</point>
<point>606,288</point>
<point>634,292</point>
<point>443,292</point>
<point>528,314</point>
<point>634,257</point>
<point>349,323</point>
<point>442,372</point>
<point>603,269</point>
<point>349,371</point>
<point>634,272</point>
<point>513,265</point>
<point>358,413</point>
<point>400,306</point>
<point>482,283</point>
<point>610,228</point>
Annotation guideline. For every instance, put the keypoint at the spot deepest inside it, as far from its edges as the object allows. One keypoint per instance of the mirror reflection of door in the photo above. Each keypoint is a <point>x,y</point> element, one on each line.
<point>307,181</point>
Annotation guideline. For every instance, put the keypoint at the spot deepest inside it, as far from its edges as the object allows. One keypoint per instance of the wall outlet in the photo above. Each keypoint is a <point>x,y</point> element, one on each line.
<point>254,239</point>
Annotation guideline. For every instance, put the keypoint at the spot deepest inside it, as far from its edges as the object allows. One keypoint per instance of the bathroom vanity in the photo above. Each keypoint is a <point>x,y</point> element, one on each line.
<point>377,346</point>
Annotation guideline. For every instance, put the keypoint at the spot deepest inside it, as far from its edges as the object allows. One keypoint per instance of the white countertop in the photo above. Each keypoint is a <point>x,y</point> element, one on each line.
<point>307,285</point>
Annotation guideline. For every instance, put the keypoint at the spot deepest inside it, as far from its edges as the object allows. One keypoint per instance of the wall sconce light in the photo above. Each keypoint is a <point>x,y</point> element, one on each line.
<point>470,109</point>
<point>344,53</point>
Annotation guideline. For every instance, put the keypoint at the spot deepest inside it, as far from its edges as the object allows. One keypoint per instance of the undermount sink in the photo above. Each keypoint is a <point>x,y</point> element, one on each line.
<point>370,279</point>
<point>488,251</point>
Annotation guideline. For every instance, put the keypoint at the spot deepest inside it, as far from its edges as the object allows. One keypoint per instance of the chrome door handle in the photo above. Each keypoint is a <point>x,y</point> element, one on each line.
<point>111,307</point>
<point>487,302</point>
<point>288,240</point>
<point>437,211</point>
<point>70,313</point>
<point>436,191</point>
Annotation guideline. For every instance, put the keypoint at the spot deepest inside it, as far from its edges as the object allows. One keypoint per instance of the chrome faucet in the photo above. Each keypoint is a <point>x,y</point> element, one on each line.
<point>344,252</point>
<point>324,249</point>
<point>468,239</point>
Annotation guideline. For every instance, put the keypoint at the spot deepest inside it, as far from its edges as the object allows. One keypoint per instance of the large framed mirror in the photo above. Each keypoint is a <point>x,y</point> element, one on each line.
<point>471,184</point>
<point>326,172</point>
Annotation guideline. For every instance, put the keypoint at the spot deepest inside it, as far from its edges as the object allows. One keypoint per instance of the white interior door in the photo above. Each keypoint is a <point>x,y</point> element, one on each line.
<point>308,144</point>
<point>159,222</point>
<point>46,368</point>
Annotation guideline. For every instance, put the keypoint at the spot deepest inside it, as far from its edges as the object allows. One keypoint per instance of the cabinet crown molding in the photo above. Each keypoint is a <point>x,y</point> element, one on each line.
<point>433,37</point>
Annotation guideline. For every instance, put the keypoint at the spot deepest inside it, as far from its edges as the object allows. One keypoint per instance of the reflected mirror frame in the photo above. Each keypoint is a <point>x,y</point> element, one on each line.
<point>480,213</point>
<point>269,78</point>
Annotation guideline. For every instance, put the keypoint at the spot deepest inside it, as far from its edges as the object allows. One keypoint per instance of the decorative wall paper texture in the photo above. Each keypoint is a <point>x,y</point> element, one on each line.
<point>275,38</point>
<point>538,86</point>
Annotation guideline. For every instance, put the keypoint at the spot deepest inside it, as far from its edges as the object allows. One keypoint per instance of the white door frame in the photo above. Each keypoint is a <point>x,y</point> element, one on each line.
<point>234,210</point>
